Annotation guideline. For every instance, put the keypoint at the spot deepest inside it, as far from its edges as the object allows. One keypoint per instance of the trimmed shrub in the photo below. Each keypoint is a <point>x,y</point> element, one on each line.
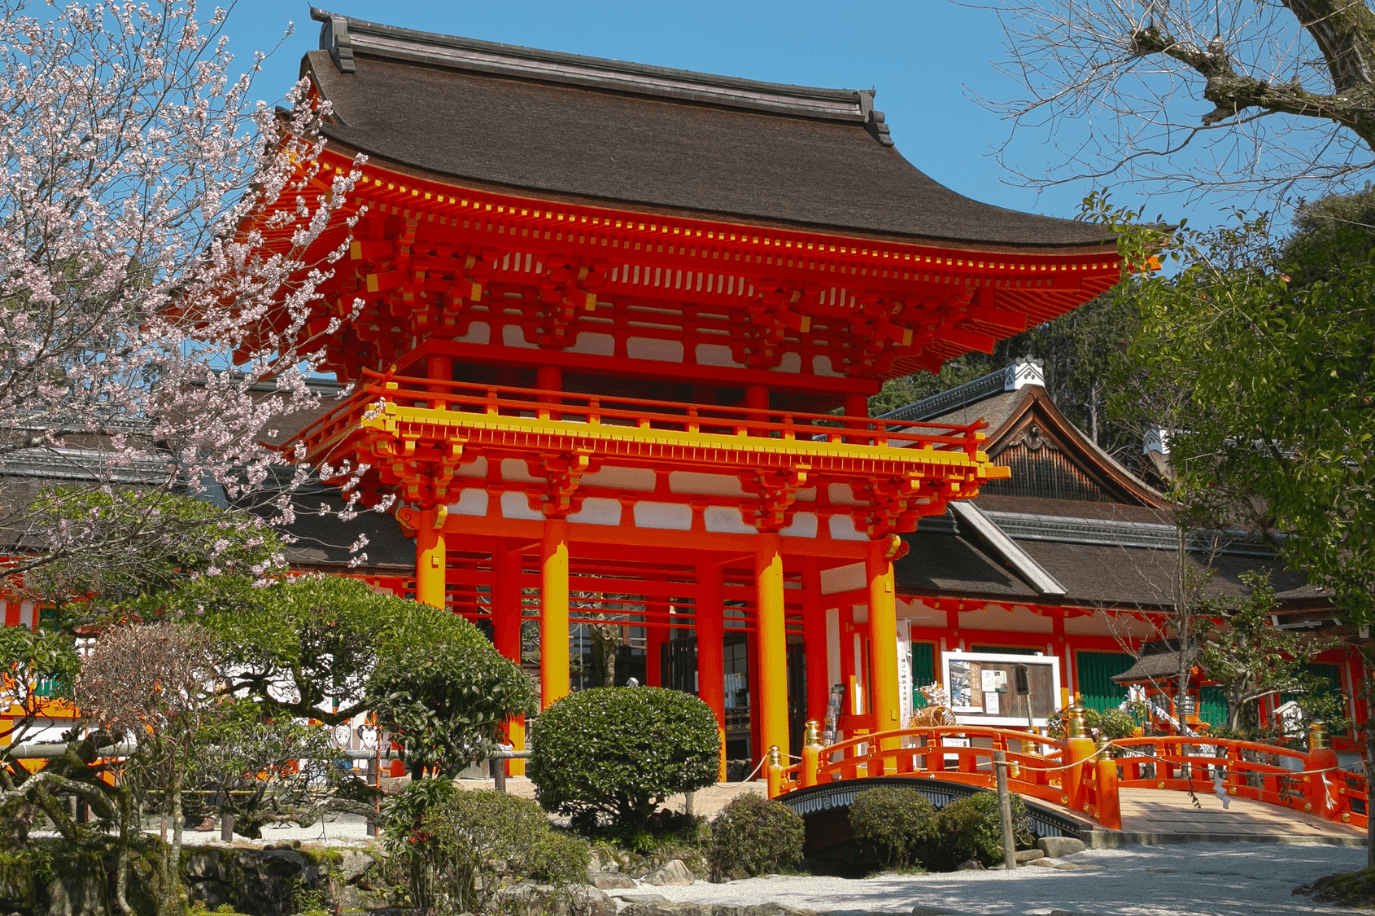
<point>972,828</point>
<point>615,753</point>
<point>754,836</point>
<point>460,845</point>
<point>895,825</point>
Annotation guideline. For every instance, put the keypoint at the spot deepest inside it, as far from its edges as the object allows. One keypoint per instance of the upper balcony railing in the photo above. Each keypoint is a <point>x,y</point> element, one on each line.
<point>594,410</point>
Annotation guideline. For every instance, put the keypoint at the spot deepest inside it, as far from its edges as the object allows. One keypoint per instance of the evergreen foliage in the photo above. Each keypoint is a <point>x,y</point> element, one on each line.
<point>615,753</point>
<point>754,836</point>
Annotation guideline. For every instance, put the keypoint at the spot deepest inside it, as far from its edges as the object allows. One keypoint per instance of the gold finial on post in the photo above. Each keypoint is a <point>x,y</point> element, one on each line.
<point>1074,722</point>
<point>773,771</point>
<point>811,734</point>
<point>1317,735</point>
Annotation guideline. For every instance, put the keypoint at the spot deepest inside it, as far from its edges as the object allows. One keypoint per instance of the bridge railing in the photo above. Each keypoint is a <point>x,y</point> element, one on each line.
<point>1076,774</point>
<point>1037,765</point>
<point>1310,782</point>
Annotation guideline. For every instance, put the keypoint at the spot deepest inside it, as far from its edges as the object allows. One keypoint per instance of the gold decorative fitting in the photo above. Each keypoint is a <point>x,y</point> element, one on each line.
<point>1317,735</point>
<point>811,734</point>
<point>775,759</point>
<point>1346,816</point>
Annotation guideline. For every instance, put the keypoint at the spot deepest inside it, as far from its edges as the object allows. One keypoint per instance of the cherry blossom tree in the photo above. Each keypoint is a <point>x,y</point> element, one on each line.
<point>150,214</point>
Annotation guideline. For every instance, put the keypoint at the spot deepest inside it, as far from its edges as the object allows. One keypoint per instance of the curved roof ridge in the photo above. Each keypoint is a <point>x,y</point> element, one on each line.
<point>343,36</point>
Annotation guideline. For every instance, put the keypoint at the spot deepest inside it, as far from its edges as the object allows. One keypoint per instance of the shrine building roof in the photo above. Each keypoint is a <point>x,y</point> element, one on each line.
<point>646,138</point>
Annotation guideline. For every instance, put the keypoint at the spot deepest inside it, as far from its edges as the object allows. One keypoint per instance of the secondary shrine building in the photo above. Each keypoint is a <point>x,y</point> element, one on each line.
<point>609,314</point>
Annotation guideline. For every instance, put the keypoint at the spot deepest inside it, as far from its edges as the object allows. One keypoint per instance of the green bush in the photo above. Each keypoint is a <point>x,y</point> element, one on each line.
<point>459,845</point>
<point>754,836</point>
<point>615,753</point>
<point>972,828</point>
<point>895,825</point>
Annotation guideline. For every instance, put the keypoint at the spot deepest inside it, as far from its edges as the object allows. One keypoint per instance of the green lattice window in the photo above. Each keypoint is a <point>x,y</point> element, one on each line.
<point>1093,675</point>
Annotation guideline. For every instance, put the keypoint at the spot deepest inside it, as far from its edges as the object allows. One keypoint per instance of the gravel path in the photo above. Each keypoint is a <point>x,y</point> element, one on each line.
<point>1202,879</point>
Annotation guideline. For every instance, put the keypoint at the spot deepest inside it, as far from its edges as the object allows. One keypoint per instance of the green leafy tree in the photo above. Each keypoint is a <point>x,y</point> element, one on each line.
<point>1250,658</point>
<point>446,701</point>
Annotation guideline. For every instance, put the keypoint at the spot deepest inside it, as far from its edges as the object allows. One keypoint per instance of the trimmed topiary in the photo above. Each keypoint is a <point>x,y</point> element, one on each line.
<point>754,836</point>
<point>895,825</point>
<point>972,828</point>
<point>615,753</point>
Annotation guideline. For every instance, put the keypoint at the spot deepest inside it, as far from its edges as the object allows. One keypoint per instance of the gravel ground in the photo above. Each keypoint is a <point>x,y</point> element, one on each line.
<point>1200,879</point>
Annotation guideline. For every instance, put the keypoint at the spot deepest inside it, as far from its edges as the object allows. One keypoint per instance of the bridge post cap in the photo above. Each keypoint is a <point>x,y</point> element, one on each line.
<point>1104,742</point>
<point>1317,735</point>
<point>774,757</point>
<point>811,734</point>
<point>1074,722</point>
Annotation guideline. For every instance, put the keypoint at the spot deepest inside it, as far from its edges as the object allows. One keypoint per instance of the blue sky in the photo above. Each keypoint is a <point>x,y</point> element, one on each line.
<point>925,58</point>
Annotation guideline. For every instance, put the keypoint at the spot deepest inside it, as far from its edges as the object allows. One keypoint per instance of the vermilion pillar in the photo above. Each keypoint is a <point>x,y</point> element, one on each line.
<point>883,640</point>
<point>553,667</point>
<point>506,624</point>
<point>814,640</point>
<point>711,638</point>
<point>656,634</point>
<point>440,368</point>
<point>773,644</point>
<point>431,559</point>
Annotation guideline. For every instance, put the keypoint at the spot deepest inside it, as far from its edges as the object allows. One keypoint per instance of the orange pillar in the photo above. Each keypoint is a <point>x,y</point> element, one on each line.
<point>656,634</point>
<point>814,640</point>
<point>431,558</point>
<point>883,642</point>
<point>773,643</point>
<point>711,636</point>
<point>553,666</point>
<point>506,623</point>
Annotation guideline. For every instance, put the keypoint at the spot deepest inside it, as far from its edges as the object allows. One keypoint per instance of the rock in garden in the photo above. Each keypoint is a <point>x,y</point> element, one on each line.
<point>671,874</point>
<point>970,865</point>
<point>354,864</point>
<point>1056,846</point>
<point>1029,855</point>
<point>610,881</point>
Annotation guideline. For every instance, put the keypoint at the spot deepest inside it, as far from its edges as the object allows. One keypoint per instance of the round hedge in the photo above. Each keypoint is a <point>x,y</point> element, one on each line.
<point>972,828</point>
<point>754,836</point>
<point>618,752</point>
<point>895,824</point>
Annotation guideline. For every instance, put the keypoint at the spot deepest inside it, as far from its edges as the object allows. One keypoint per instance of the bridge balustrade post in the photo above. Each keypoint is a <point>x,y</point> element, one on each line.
<point>811,753</point>
<point>774,772</point>
<point>1109,802</point>
<point>1078,749</point>
<point>1320,757</point>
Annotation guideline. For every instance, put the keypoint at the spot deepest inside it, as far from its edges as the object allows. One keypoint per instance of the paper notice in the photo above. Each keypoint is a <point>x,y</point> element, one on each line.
<point>991,703</point>
<point>993,681</point>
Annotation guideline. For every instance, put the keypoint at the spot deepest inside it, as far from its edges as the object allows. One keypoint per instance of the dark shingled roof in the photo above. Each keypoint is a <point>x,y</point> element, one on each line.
<point>645,137</point>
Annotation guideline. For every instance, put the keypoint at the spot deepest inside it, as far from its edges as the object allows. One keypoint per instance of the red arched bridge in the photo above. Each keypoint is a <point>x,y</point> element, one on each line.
<point>1084,777</point>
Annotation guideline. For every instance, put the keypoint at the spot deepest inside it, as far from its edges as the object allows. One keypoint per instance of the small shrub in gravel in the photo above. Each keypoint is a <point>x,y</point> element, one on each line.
<point>895,825</point>
<point>972,828</point>
<point>754,836</point>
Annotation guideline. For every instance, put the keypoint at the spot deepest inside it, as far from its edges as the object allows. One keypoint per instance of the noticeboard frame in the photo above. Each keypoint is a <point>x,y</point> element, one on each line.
<point>974,715</point>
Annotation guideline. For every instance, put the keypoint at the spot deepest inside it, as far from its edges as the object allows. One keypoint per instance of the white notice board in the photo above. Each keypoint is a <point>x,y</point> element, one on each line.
<point>982,688</point>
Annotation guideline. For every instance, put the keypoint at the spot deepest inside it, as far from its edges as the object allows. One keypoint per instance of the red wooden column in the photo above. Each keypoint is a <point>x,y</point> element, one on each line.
<point>711,636</point>
<point>439,368</point>
<point>656,634</point>
<point>814,639</point>
<point>506,624</point>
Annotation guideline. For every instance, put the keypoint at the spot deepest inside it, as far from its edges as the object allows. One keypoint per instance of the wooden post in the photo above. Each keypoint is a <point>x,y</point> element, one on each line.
<point>773,642</point>
<point>883,644</point>
<point>226,827</point>
<point>811,753</point>
<point>553,666</point>
<point>814,641</point>
<point>506,625</point>
<point>431,558</point>
<point>709,618</point>
<point>1005,810</point>
<point>1109,801</point>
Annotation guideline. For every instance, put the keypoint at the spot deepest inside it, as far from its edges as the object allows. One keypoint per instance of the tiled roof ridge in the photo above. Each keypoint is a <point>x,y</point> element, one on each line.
<point>1016,374</point>
<point>343,36</point>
